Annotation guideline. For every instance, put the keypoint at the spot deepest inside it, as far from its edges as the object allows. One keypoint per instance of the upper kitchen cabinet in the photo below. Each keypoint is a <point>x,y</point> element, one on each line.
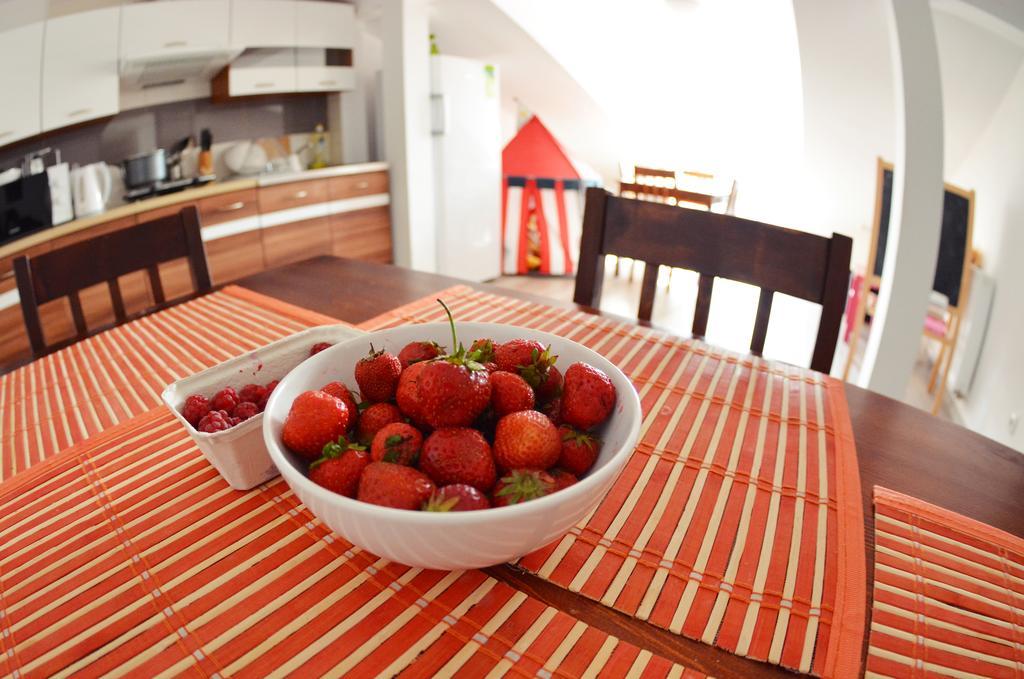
<point>80,77</point>
<point>262,23</point>
<point>21,56</point>
<point>324,24</point>
<point>178,28</point>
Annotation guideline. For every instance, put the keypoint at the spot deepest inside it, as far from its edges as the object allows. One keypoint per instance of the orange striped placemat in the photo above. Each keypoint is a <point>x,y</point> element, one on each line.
<point>128,555</point>
<point>738,520</point>
<point>948,595</point>
<point>66,397</point>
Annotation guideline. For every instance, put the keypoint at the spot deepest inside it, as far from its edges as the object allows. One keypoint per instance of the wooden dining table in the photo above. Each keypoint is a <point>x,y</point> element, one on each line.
<point>899,447</point>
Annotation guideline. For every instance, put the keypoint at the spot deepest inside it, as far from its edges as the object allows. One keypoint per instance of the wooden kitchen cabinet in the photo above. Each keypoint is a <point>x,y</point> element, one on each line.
<point>80,68</point>
<point>362,234</point>
<point>352,185</point>
<point>234,257</point>
<point>228,207</point>
<point>296,241</point>
<point>292,195</point>
<point>92,232</point>
<point>21,56</point>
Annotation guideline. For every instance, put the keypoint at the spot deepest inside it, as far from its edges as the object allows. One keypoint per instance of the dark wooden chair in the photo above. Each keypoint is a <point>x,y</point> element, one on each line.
<point>67,271</point>
<point>714,245</point>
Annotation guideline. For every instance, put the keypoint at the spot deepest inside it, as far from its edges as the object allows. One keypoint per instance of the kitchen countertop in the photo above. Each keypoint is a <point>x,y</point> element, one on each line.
<point>188,195</point>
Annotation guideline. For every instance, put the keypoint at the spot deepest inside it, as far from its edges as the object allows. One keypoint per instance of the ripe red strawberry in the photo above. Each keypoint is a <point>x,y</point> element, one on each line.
<point>483,351</point>
<point>562,478</point>
<point>510,393</point>
<point>407,395</point>
<point>588,396</point>
<point>214,421</point>
<point>195,409</point>
<point>225,399</point>
<point>252,393</point>
<point>550,386</point>
<point>526,440</point>
<point>579,450</point>
<point>318,347</point>
<point>340,391</point>
<point>339,467</point>
<point>457,497</point>
<point>553,409</point>
<point>377,375</point>
<point>394,485</point>
<point>414,352</point>
<point>458,455</point>
<point>397,442</point>
<point>244,410</point>
<point>453,389</point>
<point>374,418</point>
<point>526,358</point>
<point>522,485</point>
<point>314,420</point>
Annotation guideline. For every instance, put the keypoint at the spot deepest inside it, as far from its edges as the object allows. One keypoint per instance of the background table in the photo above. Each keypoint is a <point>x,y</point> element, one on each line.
<point>899,447</point>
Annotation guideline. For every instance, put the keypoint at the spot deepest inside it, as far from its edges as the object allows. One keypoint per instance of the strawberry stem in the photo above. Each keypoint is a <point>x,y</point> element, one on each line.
<point>451,322</point>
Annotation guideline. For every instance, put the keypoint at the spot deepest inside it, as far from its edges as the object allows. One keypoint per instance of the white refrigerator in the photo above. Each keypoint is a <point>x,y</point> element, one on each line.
<point>466,127</point>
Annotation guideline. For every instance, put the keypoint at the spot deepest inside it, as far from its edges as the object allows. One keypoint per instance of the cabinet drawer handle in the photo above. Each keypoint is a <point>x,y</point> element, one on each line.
<point>6,275</point>
<point>363,185</point>
<point>263,85</point>
<point>300,194</point>
<point>175,43</point>
<point>328,83</point>
<point>238,205</point>
<point>78,112</point>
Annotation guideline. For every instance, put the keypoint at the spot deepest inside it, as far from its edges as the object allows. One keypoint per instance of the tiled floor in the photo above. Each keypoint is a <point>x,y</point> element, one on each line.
<point>791,330</point>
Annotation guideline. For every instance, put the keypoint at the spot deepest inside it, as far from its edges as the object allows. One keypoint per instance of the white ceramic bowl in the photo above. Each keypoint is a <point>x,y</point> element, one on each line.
<point>456,540</point>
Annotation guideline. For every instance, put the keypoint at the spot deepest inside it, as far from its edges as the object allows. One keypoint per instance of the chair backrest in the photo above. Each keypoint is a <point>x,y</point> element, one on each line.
<point>651,176</point>
<point>65,272</point>
<point>661,194</point>
<point>774,259</point>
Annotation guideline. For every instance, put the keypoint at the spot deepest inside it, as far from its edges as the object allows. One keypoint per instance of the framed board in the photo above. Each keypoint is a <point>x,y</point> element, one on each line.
<point>954,243</point>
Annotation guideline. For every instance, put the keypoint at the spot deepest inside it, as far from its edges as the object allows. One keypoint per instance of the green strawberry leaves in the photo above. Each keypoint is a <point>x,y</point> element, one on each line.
<point>469,359</point>
<point>333,449</point>
<point>537,370</point>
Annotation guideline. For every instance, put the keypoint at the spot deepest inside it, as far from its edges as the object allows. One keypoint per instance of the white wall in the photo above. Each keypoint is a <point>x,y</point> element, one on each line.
<point>995,169</point>
<point>848,111</point>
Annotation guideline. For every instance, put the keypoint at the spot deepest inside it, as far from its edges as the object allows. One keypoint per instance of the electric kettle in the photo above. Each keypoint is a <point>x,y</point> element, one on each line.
<point>90,187</point>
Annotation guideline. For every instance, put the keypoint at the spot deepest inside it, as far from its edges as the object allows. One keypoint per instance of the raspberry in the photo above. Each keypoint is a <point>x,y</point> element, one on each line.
<point>252,393</point>
<point>215,420</point>
<point>225,399</point>
<point>262,403</point>
<point>195,408</point>
<point>318,347</point>
<point>244,410</point>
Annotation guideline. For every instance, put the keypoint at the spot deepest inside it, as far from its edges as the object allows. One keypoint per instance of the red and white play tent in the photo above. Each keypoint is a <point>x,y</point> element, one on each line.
<point>542,204</point>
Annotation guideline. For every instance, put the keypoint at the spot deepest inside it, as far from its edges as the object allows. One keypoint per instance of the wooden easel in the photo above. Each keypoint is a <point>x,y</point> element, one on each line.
<point>954,314</point>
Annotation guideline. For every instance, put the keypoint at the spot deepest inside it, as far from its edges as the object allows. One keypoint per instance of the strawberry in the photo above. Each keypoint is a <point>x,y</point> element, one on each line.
<point>314,420</point>
<point>522,485</point>
<point>340,391</point>
<point>407,395</point>
<point>244,410</point>
<point>414,352</point>
<point>397,442</point>
<point>394,485</point>
<point>588,396</point>
<point>377,375</point>
<point>484,351</point>
<point>510,393</point>
<point>550,386</point>
<point>457,497</point>
<point>318,347</point>
<point>527,358</point>
<point>458,455</point>
<point>526,440</point>
<point>339,467</point>
<point>196,407</point>
<point>553,409</point>
<point>374,418</point>
<point>251,393</point>
<point>214,421</point>
<point>579,450</point>
<point>562,478</point>
<point>225,399</point>
<point>453,389</point>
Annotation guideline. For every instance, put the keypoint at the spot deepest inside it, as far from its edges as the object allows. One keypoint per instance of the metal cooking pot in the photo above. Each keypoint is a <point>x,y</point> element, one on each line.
<point>144,169</point>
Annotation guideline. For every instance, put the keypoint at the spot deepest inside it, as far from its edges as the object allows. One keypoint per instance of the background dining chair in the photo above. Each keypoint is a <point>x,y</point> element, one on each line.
<point>803,265</point>
<point>104,259</point>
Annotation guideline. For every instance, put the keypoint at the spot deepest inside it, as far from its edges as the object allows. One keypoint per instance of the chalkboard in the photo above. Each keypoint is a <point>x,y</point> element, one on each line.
<point>953,244</point>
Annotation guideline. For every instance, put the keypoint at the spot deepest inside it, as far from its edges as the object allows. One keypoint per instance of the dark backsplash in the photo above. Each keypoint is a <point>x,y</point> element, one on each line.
<point>144,129</point>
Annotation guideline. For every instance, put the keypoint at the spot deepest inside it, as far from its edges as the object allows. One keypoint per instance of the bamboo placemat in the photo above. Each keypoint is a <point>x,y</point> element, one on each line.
<point>948,594</point>
<point>68,396</point>
<point>738,519</point>
<point>127,555</point>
